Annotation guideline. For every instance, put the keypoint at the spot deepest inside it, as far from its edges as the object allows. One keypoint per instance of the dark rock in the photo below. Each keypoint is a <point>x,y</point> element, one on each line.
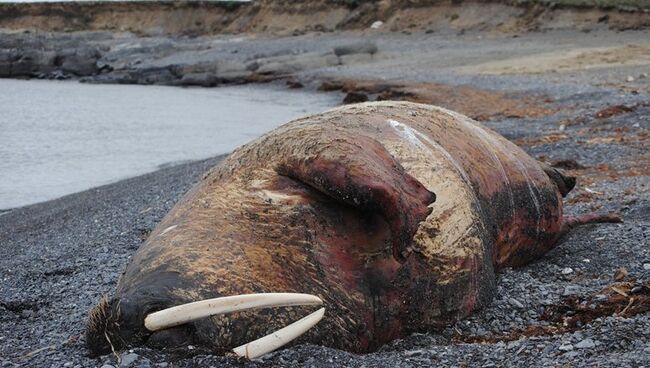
<point>80,62</point>
<point>199,79</point>
<point>568,164</point>
<point>163,75</point>
<point>33,62</point>
<point>355,97</point>
<point>357,48</point>
<point>294,84</point>
<point>233,76</point>
<point>252,66</point>
<point>328,86</point>
<point>7,58</point>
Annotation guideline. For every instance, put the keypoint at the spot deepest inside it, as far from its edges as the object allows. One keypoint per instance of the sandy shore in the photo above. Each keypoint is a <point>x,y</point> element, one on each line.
<point>586,110</point>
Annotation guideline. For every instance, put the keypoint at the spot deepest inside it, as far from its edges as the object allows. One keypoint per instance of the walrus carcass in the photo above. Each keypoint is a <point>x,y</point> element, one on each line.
<point>341,206</point>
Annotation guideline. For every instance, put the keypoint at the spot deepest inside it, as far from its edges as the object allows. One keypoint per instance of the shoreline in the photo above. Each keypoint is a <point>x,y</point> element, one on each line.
<point>98,134</point>
<point>61,203</point>
<point>484,76</point>
<point>53,202</point>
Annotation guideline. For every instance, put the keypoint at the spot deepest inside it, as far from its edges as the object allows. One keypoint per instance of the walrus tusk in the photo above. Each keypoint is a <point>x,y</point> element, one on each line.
<point>189,312</point>
<point>279,338</point>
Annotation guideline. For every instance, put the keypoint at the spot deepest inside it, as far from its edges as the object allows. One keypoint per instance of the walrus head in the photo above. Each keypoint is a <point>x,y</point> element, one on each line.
<point>162,327</point>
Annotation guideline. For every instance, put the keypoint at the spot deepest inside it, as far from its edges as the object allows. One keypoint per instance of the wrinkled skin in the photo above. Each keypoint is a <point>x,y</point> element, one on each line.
<point>341,205</point>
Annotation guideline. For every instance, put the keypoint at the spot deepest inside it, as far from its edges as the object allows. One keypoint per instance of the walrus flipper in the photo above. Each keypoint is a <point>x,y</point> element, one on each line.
<point>565,183</point>
<point>366,177</point>
<point>570,222</point>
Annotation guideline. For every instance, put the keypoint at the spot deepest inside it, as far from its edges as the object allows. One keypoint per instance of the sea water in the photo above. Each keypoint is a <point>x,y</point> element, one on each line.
<point>58,138</point>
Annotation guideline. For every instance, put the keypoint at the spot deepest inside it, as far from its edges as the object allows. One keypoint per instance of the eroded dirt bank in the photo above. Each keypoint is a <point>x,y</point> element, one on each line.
<point>287,17</point>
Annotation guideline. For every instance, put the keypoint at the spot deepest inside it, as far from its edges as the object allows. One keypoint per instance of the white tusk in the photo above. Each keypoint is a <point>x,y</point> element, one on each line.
<point>279,338</point>
<point>185,313</point>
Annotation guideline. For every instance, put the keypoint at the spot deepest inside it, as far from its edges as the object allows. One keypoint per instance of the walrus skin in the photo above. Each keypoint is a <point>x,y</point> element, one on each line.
<point>341,205</point>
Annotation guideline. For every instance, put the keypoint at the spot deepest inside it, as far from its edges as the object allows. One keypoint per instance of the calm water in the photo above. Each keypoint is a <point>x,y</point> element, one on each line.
<point>58,138</point>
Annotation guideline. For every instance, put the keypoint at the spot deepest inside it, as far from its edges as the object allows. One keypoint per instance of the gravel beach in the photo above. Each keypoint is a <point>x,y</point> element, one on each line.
<point>57,258</point>
<point>589,117</point>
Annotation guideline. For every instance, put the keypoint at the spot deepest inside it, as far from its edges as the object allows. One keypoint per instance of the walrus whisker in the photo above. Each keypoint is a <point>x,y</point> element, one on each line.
<point>189,312</point>
<point>279,338</point>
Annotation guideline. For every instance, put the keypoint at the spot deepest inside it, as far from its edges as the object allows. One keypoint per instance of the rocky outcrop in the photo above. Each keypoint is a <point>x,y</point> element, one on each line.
<point>364,47</point>
<point>25,63</point>
<point>130,59</point>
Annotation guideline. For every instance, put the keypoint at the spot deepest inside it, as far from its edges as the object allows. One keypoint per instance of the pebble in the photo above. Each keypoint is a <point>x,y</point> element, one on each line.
<point>646,266</point>
<point>516,303</point>
<point>567,270</point>
<point>630,78</point>
<point>376,24</point>
<point>566,347</point>
<point>571,290</point>
<point>128,359</point>
<point>572,354</point>
<point>586,344</point>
